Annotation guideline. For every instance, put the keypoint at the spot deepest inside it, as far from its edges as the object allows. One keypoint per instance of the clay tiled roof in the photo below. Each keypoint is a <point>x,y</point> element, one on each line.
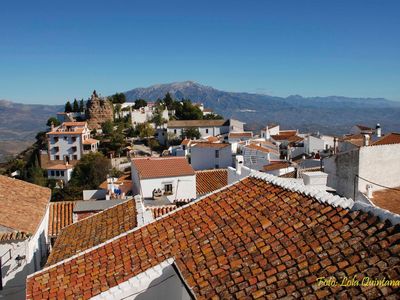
<point>276,166</point>
<point>155,167</point>
<point>76,131</point>
<point>60,167</point>
<point>74,124</point>
<point>253,239</point>
<point>23,205</point>
<point>248,134</point>
<point>186,142</point>
<point>391,138</point>
<point>158,211</point>
<point>388,199</point>
<point>362,127</point>
<point>90,141</point>
<point>292,174</point>
<point>259,148</point>
<point>93,230</point>
<point>197,123</point>
<point>208,181</point>
<point>60,215</point>
<point>210,145</point>
<point>13,236</point>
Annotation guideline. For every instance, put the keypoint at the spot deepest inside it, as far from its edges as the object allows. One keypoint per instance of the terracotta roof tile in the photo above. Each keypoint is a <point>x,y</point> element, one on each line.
<point>252,238</point>
<point>93,230</point>
<point>162,167</point>
<point>259,148</point>
<point>197,123</point>
<point>90,141</point>
<point>210,145</point>
<point>60,215</point>
<point>60,167</point>
<point>13,236</point>
<point>208,181</point>
<point>391,138</point>
<point>248,134</point>
<point>22,205</point>
<point>276,166</point>
<point>158,211</point>
<point>388,199</point>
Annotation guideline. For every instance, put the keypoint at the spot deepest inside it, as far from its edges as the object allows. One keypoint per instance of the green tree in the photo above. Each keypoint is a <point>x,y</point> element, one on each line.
<point>158,119</point>
<point>153,145</point>
<point>213,116</point>
<point>118,98</point>
<point>140,103</point>
<point>75,106</point>
<point>68,107</point>
<point>107,127</point>
<point>145,130</point>
<point>168,101</point>
<point>185,110</point>
<point>53,121</point>
<point>191,133</point>
<point>81,106</point>
<point>117,111</point>
<point>90,171</point>
<point>117,141</point>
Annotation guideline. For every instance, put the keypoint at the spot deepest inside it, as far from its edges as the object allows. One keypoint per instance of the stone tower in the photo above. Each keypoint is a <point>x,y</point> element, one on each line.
<point>98,111</point>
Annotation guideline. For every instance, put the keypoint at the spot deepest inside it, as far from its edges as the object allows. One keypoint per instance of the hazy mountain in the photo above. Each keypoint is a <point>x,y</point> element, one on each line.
<point>331,115</point>
<point>19,124</point>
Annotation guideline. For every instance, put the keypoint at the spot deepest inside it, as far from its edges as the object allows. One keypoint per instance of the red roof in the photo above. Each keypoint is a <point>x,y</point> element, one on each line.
<point>276,166</point>
<point>60,215</point>
<point>259,148</point>
<point>391,138</point>
<point>154,167</point>
<point>248,134</point>
<point>208,181</point>
<point>210,145</point>
<point>253,239</point>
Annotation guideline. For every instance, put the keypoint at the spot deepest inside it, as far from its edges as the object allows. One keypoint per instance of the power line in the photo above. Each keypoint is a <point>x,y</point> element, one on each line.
<point>386,187</point>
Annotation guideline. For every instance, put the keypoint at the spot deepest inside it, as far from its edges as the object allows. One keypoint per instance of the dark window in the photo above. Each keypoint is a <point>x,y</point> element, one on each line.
<point>62,173</point>
<point>174,131</point>
<point>168,188</point>
<point>73,139</point>
<point>55,139</point>
<point>75,157</point>
<point>74,149</point>
<point>57,157</point>
<point>216,153</point>
<point>217,166</point>
<point>57,173</point>
<point>207,130</point>
<point>65,138</point>
<point>52,173</point>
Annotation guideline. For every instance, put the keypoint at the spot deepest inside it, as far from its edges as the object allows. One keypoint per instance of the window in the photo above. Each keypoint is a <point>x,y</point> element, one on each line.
<point>55,139</point>
<point>62,173</point>
<point>57,157</point>
<point>65,138</point>
<point>57,173</point>
<point>74,139</point>
<point>168,188</point>
<point>56,149</point>
<point>207,130</point>
<point>52,173</point>
<point>74,149</point>
<point>75,157</point>
<point>217,166</point>
<point>216,153</point>
<point>174,131</point>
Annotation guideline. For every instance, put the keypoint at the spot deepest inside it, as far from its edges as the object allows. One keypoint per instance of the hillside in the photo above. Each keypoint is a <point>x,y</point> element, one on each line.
<point>331,115</point>
<point>19,124</point>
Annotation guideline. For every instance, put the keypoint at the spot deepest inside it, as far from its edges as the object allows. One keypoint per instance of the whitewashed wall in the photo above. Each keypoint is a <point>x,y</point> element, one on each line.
<point>204,158</point>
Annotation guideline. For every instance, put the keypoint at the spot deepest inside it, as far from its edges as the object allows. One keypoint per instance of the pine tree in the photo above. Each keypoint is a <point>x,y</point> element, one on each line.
<point>68,107</point>
<point>75,106</point>
<point>81,106</point>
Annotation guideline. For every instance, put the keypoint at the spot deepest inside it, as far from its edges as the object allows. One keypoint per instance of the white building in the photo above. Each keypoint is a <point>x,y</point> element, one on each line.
<point>256,156</point>
<point>269,130</point>
<point>59,172</point>
<point>314,144</point>
<point>205,156</point>
<point>206,127</point>
<point>165,178</point>
<point>145,114</point>
<point>24,216</point>
<point>374,167</point>
<point>235,137</point>
<point>70,141</point>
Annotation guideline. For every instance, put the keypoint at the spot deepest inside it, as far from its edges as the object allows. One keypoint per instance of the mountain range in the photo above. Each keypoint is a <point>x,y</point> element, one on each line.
<point>19,123</point>
<point>330,115</point>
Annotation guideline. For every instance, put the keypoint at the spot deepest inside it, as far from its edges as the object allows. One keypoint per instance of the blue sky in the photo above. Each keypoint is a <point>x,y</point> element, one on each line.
<point>51,51</point>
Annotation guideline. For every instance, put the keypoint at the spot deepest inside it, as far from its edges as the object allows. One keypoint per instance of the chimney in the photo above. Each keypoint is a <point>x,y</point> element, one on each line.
<point>378,130</point>
<point>239,163</point>
<point>369,191</point>
<point>315,179</point>
<point>366,140</point>
<point>267,134</point>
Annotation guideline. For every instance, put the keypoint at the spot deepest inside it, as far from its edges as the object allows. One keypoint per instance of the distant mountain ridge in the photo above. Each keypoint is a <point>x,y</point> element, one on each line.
<point>331,115</point>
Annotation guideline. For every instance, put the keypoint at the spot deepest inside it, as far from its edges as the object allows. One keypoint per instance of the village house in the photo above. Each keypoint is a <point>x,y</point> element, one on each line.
<point>206,155</point>
<point>24,244</point>
<point>263,237</point>
<point>235,137</point>
<point>271,129</point>
<point>256,154</point>
<point>314,143</point>
<point>166,179</point>
<point>70,141</point>
<point>206,127</point>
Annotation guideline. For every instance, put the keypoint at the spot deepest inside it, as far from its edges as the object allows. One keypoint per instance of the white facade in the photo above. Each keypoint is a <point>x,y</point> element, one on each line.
<point>204,131</point>
<point>352,171</point>
<point>313,144</point>
<point>57,174</point>
<point>183,187</point>
<point>256,159</point>
<point>146,114</point>
<point>70,141</point>
<point>268,131</point>
<point>33,249</point>
<point>205,156</point>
